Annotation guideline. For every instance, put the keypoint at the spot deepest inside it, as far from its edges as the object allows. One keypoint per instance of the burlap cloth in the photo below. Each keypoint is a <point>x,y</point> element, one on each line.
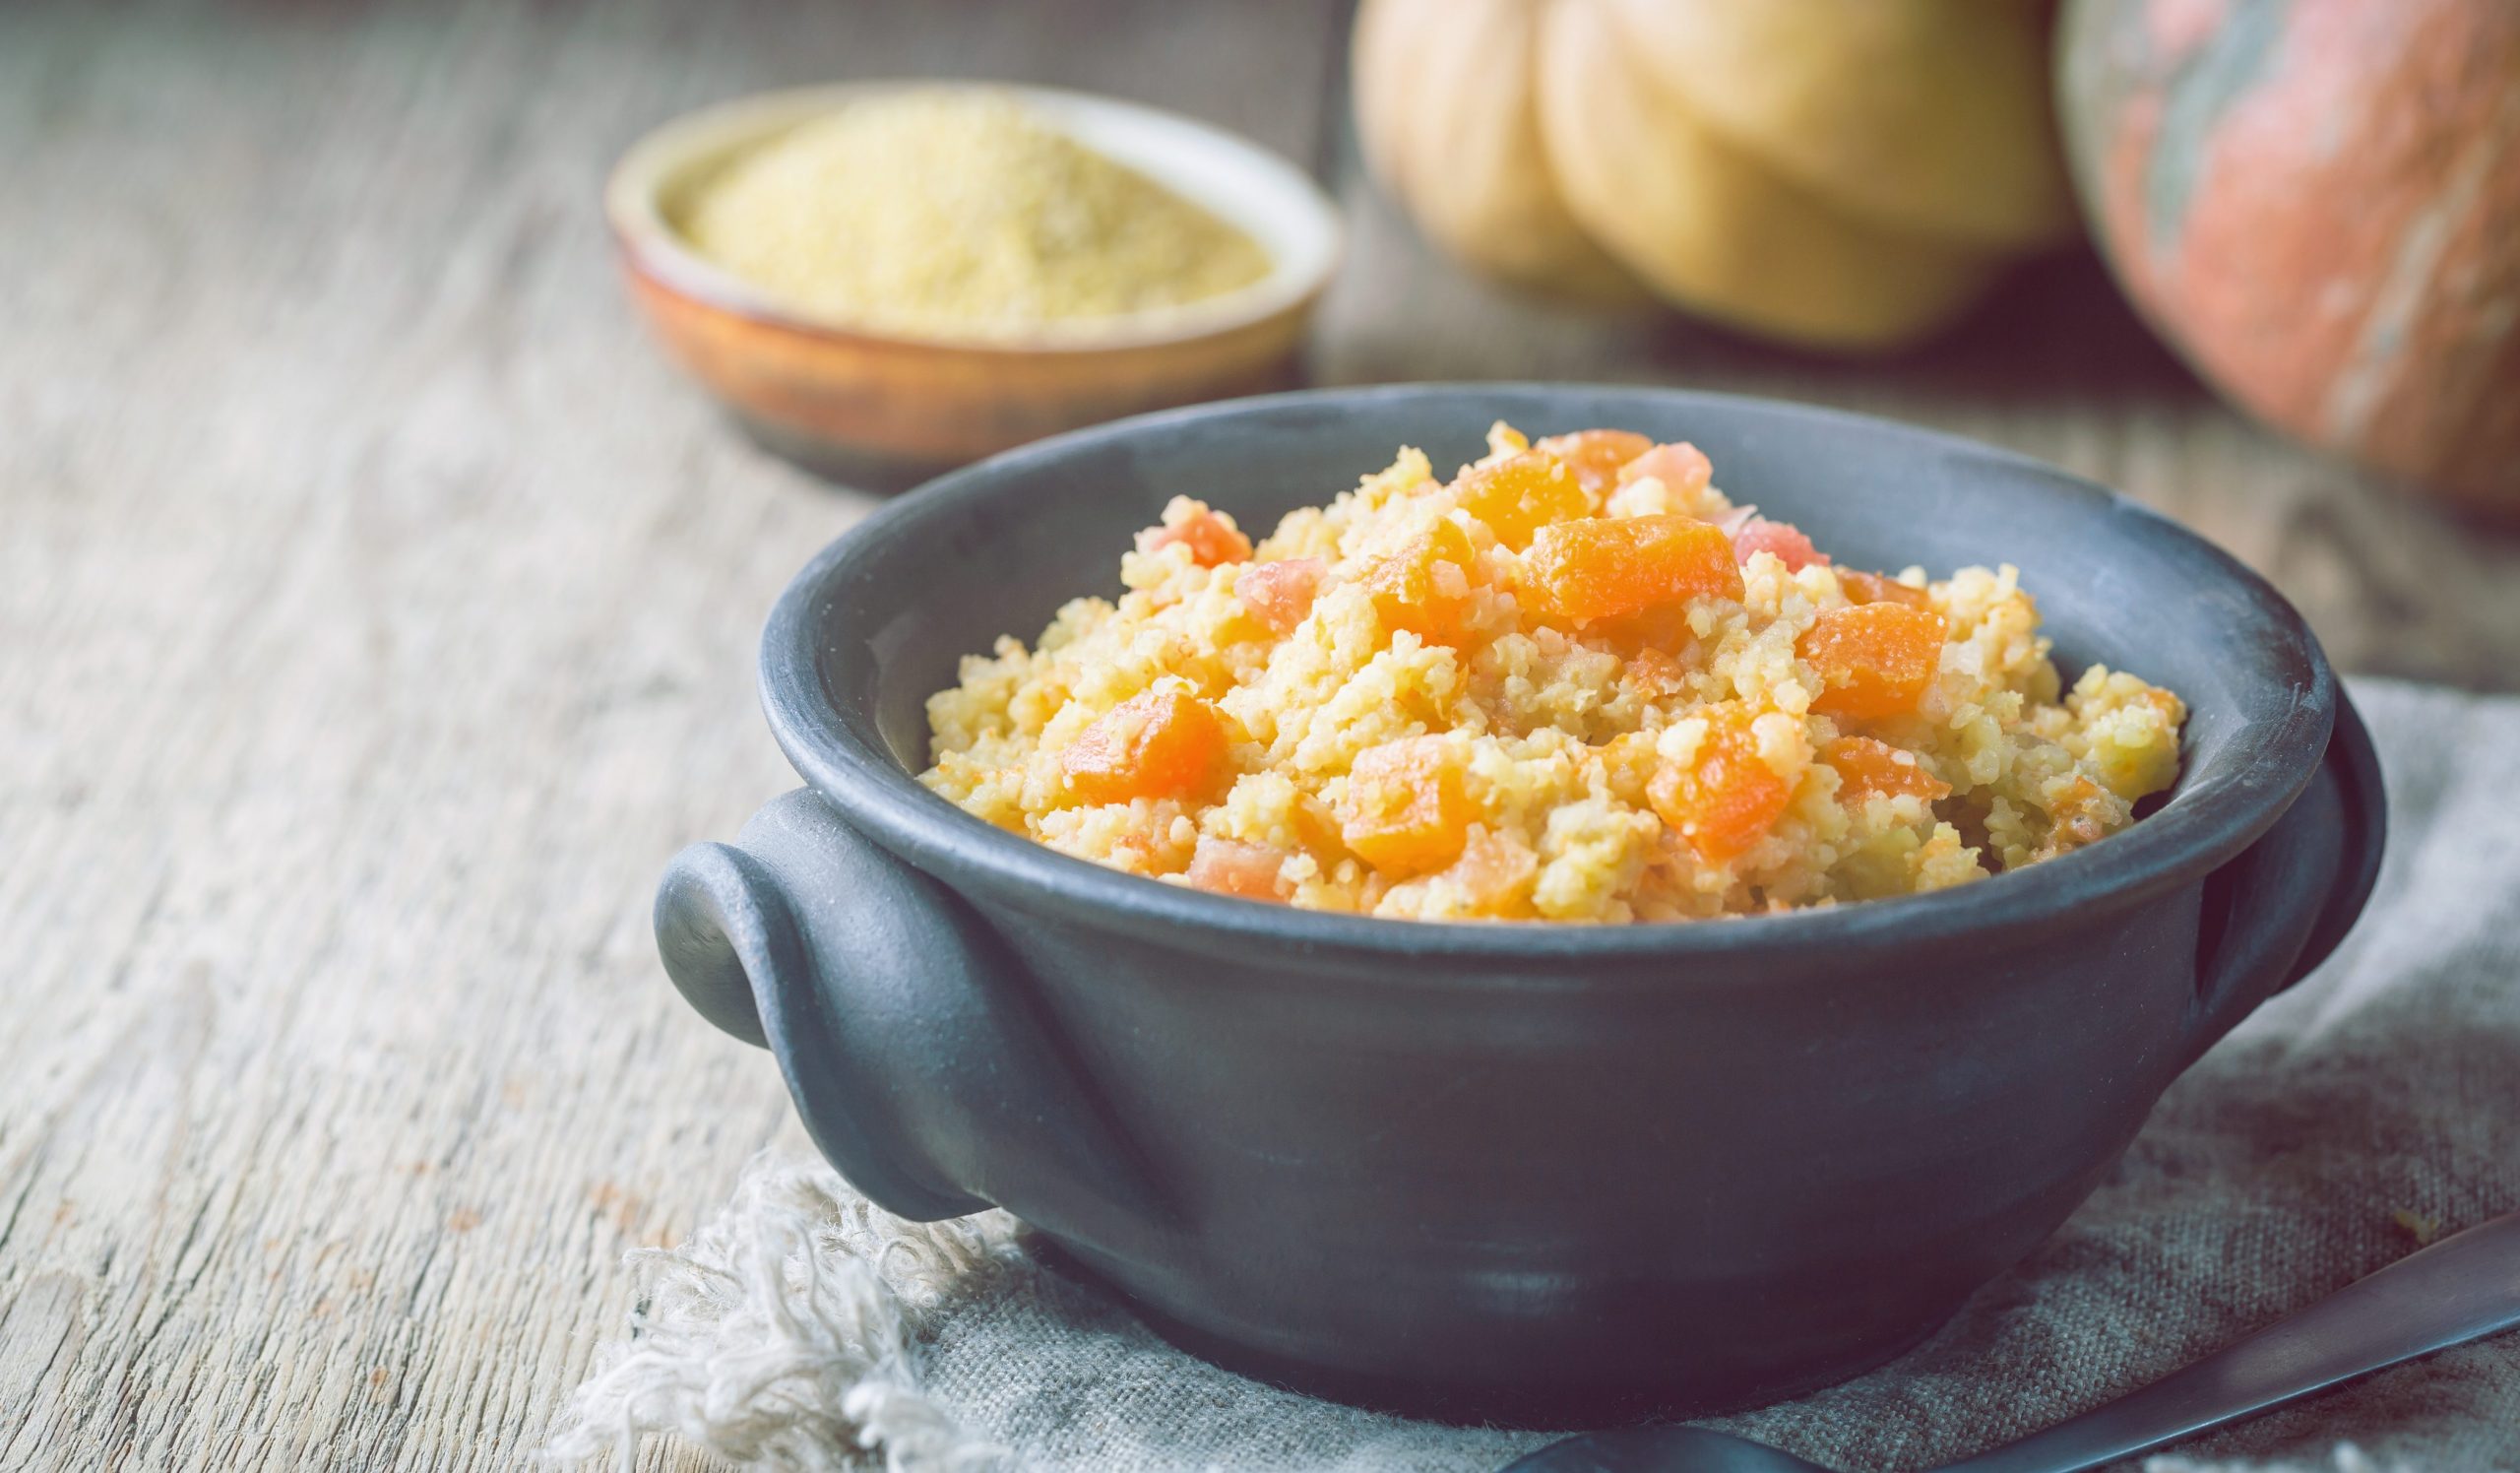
<point>2374,1106</point>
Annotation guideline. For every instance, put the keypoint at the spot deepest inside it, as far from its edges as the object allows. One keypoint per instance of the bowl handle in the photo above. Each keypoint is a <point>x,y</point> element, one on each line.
<point>918,1054</point>
<point>2273,913</point>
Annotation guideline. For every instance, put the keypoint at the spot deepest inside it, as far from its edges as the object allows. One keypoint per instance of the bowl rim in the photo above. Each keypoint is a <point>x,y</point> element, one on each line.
<point>2263,768</point>
<point>650,246</point>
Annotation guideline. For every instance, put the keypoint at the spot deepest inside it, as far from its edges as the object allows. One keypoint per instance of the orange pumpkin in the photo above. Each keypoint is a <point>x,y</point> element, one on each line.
<point>2317,202</point>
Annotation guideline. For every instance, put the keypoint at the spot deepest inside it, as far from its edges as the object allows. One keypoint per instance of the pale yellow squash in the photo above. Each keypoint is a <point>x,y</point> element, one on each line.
<point>1445,119</point>
<point>1715,230</point>
<point>1927,115</point>
<point>1843,175</point>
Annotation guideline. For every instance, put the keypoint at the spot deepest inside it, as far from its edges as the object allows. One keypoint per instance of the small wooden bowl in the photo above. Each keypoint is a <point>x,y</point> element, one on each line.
<point>869,405</point>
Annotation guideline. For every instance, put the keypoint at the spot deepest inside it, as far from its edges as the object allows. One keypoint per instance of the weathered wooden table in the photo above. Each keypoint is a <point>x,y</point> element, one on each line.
<point>377,613</point>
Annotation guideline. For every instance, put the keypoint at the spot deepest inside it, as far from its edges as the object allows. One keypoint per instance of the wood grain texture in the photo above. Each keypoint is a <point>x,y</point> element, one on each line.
<point>377,613</point>
<point>376,616</point>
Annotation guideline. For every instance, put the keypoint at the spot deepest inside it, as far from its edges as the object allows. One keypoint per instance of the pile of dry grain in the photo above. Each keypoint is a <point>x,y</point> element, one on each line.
<point>956,211</point>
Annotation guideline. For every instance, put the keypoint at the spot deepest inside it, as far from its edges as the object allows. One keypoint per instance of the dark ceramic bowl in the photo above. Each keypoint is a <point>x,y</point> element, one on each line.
<point>1534,1172</point>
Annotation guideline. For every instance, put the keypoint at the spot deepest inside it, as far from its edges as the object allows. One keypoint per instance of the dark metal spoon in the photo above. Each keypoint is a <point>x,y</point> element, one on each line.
<point>2463,1288</point>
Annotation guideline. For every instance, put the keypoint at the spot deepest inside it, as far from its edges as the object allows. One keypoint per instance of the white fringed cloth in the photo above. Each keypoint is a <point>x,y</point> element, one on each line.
<point>2373,1107</point>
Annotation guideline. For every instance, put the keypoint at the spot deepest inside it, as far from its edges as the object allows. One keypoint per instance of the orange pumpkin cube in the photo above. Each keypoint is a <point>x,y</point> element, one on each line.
<point>1424,585</point>
<point>1408,807</point>
<point>1233,867</point>
<point>1163,742</point>
<point>1866,767</point>
<point>1726,797</point>
<point>1211,536</point>
<point>1873,659</point>
<point>1596,455</point>
<point>1606,566</point>
<point>1520,494</point>
<point>1280,594</point>
<point>1683,467</point>
<point>1781,540</point>
<point>1495,872</point>
<point>1861,587</point>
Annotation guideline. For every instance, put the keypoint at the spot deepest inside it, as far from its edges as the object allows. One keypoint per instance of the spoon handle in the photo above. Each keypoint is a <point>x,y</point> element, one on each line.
<point>2463,1288</point>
